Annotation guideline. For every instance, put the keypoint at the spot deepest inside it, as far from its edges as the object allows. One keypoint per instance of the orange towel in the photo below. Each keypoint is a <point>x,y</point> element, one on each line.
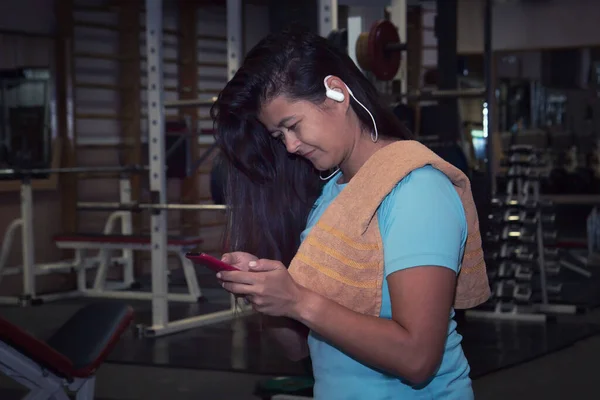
<point>342,256</point>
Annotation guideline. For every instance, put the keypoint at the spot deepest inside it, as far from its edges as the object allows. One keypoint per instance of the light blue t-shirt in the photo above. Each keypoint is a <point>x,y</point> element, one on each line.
<point>422,222</point>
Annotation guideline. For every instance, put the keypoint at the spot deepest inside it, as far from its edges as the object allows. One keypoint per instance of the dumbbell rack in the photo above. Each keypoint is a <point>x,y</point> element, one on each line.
<point>519,254</point>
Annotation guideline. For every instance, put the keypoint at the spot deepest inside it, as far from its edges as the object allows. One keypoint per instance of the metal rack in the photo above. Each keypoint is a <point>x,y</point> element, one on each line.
<point>522,267</point>
<point>161,323</point>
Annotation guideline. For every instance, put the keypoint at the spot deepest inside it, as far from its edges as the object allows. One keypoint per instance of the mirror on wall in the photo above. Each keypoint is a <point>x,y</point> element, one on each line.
<point>25,135</point>
<point>548,88</point>
<point>549,98</point>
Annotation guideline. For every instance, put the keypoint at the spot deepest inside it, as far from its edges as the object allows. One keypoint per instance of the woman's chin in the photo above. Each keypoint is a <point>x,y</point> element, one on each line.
<point>322,168</point>
<point>326,170</point>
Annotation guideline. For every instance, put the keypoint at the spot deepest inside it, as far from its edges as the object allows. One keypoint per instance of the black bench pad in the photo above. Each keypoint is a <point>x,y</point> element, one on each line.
<point>80,345</point>
<point>89,335</point>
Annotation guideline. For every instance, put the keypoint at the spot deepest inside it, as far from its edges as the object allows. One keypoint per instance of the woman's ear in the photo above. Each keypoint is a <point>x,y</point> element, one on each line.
<point>336,90</point>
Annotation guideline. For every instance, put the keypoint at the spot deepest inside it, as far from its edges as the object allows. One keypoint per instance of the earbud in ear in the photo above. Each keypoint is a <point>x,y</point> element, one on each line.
<point>332,94</point>
<point>339,96</point>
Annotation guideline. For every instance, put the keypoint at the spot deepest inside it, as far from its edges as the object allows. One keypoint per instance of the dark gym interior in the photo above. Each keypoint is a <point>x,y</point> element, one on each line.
<point>507,91</point>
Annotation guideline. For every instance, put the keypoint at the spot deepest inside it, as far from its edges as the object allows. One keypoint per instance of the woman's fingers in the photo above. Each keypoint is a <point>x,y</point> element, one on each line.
<point>228,258</point>
<point>238,259</point>
<point>238,288</point>
<point>242,277</point>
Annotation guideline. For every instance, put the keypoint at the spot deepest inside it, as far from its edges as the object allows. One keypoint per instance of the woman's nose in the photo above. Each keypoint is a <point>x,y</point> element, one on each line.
<point>291,142</point>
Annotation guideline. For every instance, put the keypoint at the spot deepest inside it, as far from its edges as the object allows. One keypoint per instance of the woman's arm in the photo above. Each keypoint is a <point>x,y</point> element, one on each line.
<point>291,336</point>
<point>411,344</point>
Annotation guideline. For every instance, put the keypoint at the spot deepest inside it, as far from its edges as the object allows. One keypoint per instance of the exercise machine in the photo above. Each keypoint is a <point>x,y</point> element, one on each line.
<point>69,359</point>
<point>25,224</point>
<point>158,242</point>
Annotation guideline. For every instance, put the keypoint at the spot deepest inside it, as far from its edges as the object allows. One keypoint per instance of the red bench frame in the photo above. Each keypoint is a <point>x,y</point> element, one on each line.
<point>47,372</point>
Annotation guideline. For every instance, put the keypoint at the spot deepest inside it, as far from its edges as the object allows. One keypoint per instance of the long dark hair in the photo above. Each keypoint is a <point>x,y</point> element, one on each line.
<point>269,191</point>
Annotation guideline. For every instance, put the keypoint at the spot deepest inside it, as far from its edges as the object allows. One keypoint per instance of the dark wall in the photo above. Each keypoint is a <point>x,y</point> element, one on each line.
<point>284,13</point>
<point>447,63</point>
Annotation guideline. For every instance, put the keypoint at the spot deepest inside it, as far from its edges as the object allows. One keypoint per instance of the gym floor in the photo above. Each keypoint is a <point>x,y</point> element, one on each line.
<point>516,360</point>
<point>567,372</point>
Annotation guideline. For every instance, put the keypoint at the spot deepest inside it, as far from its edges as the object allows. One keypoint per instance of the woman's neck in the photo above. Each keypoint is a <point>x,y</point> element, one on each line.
<point>362,151</point>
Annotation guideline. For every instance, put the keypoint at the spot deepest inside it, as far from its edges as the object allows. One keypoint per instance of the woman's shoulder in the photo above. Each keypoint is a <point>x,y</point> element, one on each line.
<point>422,222</point>
<point>423,189</point>
<point>424,179</point>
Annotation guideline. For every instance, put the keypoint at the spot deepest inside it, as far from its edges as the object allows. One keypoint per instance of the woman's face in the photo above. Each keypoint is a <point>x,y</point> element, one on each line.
<point>320,133</point>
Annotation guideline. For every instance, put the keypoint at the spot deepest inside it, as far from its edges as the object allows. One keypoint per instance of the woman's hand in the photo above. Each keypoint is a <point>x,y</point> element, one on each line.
<point>239,259</point>
<point>267,285</point>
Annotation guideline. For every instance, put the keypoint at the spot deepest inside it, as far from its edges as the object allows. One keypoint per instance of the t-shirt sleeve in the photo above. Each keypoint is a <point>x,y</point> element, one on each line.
<point>422,222</point>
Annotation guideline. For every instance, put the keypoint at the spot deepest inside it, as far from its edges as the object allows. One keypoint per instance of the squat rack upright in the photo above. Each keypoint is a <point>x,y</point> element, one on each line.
<point>157,160</point>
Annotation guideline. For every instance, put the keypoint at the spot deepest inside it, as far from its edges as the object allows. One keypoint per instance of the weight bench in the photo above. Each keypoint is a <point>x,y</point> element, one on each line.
<point>161,323</point>
<point>68,360</point>
<point>106,243</point>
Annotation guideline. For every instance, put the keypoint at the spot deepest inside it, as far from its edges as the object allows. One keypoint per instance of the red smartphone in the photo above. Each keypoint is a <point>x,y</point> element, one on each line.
<point>211,262</point>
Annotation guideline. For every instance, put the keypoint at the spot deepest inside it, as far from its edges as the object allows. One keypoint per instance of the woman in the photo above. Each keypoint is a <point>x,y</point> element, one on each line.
<point>285,131</point>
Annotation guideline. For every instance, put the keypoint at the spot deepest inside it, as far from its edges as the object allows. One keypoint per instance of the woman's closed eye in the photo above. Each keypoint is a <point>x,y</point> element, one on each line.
<point>281,137</point>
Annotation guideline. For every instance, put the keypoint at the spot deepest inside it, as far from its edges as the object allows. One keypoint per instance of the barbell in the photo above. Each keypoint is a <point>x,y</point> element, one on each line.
<point>28,172</point>
<point>378,51</point>
<point>138,207</point>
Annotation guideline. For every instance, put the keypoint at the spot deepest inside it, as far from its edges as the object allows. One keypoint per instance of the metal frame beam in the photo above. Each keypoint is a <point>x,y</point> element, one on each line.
<point>187,75</point>
<point>157,159</point>
<point>488,107</point>
<point>113,206</point>
<point>65,121</point>
<point>129,84</point>
<point>398,15</point>
<point>328,16</point>
<point>235,49</point>
<point>354,27</point>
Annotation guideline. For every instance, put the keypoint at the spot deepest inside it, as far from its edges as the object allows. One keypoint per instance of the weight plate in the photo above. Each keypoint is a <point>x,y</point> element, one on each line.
<point>384,63</point>
<point>362,51</point>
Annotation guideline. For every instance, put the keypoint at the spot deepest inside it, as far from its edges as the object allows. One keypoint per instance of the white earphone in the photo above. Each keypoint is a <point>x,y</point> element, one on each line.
<point>339,97</point>
<point>334,94</point>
